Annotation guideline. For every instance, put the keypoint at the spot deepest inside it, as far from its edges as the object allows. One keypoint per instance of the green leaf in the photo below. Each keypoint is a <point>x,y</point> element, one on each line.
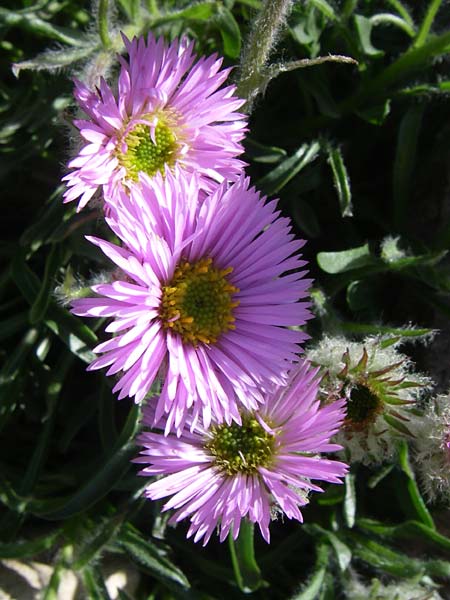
<point>91,546</point>
<point>149,556</point>
<point>52,264</point>
<point>376,115</point>
<point>54,60</point>
<point>416,499</point>
<point>405,159</point>
<point>370,329</point>
<point>379,476</point>
<point>105,478</point>
<point>409,530</point>
<point>30,22</point>
<point>397,424</point>
<point>51,591</point>
<point>30,548</point>
<point>95,584</point>
<point>349,507</point>
<point>261,153</point>
<point>242,550</point>
<point>346,260</point>
<point>229,31</point>
<point>313,586</point>
<point>364,26</point>
<point>379,556</point>
<point>325,8</point>
<point>77,336</point>
<point>427,22</point>
<point>276,179</point>
<point>394,20</point>
<point>341,180</point>
<point>39,456</point>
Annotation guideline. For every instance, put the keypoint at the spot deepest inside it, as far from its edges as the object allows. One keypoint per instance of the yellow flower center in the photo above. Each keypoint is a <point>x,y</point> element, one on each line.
<point>144,154</point>
<point>198,302</point>
<point>241,448</point>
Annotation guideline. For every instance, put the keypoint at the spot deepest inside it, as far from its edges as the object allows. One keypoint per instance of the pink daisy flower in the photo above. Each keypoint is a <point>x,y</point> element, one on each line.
<point>167,111</point>
<point>220,474</point>
<point>205,300</point>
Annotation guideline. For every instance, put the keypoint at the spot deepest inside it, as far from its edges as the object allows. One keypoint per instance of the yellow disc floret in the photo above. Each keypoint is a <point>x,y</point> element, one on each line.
<point>241,448</point>
<point>144,154</point>
<point>198,302</point>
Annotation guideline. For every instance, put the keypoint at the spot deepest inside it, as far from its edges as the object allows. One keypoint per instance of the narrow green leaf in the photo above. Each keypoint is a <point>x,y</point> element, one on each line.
<point>106,422</point>
<point>394,20</point>
<point>94,584</point>
<point>30,548</point>
<point>349,507</point>
<point>383,558</point>
<point>242,551</point>
<point>149,556</point>
<point>276,179</point>
<point>417,501</point>
<point>43,440</point>
<point>54,60</point>
<point>93,545</point>
<point>402,10</point>
<point>397,424</point>
<point>341,180</point>
<point>11,369</point>
<point>427,22</point>
<point>376,115</point>
<point>77,336</point>
<point>346,260</point>
<point>229,31</point>
<point>364,26</point>
<point>325,8</point>
<point>263,154</point>
<point>51,591</point>
<point>370,329</point>
<point>313,586</point>
<point>379,476</point>
<point>52,264</point>
<point>405,159</point>
<point>30,22</point>
<point>48,219</point>
<point>408,529</point>
<point>105,478</point>
<point>201,11</point>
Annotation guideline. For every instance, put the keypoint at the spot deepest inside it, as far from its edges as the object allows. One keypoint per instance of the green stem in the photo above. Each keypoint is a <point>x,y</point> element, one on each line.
<point>261,40</point>
<point>103,23</point>
<point>242,550</point>
<point>427,23</point>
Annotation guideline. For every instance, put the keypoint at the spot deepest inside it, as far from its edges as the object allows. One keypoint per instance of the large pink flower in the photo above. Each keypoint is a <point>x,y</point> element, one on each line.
<point>167,111</point>
<point>208,293</point>
<point>220,474</point>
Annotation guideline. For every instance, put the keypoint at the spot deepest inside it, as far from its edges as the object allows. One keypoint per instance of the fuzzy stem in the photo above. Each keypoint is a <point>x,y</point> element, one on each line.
<point>103,23</point>
<point>261,40</point>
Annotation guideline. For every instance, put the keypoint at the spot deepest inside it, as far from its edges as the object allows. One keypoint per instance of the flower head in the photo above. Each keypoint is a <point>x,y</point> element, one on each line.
<point>220,474</point>
<point>380,389</point>
<point>205,298</point>
<point>432,448</point>
<point>167,111</point>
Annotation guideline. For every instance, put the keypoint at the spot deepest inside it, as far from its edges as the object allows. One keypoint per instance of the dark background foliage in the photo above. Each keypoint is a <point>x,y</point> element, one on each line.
<point>359,157</point>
